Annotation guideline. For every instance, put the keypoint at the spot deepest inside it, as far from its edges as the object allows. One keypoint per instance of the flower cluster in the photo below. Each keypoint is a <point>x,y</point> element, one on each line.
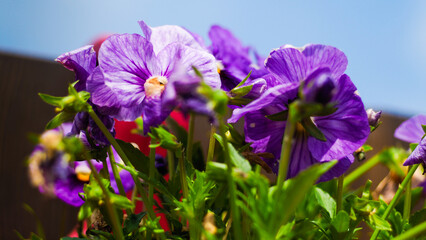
<point>303,118</point>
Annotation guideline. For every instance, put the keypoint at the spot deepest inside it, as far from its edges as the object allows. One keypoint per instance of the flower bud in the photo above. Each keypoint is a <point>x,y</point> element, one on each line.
<point>373,117</point>
<point>319,87</point>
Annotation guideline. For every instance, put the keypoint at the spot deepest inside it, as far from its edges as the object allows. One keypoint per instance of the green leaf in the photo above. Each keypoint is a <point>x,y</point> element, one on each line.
<point>59,119</point>
<point>379,223</point>
<point>413,146</point>
<point>85,211</point>
<point>244,80</point>
<point>121,201</point>
<point>236,158</point>
<point>73,238</point>
<point>312,129</point>
<point>424,128</point>
<point>341,222</point>
<point>132,222</point>
<point>367,148</point>
<point>52,100</point>
<point>280,116</point>
<point>296,188</point>
<point>177,130</point>
<point>135,156</point>
<point>325,201</point>
<point>165,139</point>
<point>241,91</point>
<point>418,217</point>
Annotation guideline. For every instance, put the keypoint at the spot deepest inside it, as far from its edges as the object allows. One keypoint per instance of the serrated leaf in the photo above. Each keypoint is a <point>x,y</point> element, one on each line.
<point>132,222</point>
<point>418,217</point>
<point>325,201</point>
<point>236,158</point>
<point>379,223</point>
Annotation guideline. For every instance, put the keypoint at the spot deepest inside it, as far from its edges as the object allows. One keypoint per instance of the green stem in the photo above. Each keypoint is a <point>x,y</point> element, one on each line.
<point>190,139</point>
<point>117,176</point>
<point>126,161</point>
<point>407,201</point>
<point>395,199</point>
<point>358,172</point>
<point>339,196</point>
<point>183,182</point>
<point>171,164</point>
<point>413,232</point>
<point>110,208</point>
<point>290,128</point>
<point>151,175</point>
<point>236,221</point>
<point>212,142</point>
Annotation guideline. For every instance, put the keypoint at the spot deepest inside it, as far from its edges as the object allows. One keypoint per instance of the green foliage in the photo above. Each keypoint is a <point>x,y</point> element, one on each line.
<point>67,106</point>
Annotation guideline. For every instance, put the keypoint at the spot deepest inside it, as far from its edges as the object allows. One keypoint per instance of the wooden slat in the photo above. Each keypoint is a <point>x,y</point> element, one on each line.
<point>22,112</point>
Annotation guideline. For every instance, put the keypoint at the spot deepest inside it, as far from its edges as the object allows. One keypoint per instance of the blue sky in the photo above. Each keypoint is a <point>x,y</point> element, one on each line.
<point>385,41</point>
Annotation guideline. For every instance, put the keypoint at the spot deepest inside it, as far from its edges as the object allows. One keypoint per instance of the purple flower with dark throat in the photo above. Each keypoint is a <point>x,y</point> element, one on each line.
<point>134,71</point>
<point>321,70</point>
<point>411,131</point>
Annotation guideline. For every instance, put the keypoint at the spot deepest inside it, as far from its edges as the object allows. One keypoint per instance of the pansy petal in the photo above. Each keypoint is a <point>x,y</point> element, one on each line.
<point>264,135</point>
<point>411,130</point>
<point>82,61</point>
<point>288,64</point>
<point>300,158</point>
<point>187,58</point>
<point>337,170</point>
<point>346,129</point>
<point>418,155</point>
<point>318,55</point>
<point>154,112</point>
<point>276,97</point>
<point>162,36</point>
<point>68,190</point>
<point>130,53</point>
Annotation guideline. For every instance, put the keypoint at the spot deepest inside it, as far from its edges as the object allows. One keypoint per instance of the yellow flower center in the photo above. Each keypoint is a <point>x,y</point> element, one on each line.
<point>83,173</point>
<point>155,85</point>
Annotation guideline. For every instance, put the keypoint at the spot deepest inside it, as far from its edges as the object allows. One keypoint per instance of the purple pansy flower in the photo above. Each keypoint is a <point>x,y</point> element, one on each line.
<point>83,62</point>
<point>134,71</point>
<point>52,172</point>
<point>411,131</point>
<point>345,130</point>
<point>234,60</point>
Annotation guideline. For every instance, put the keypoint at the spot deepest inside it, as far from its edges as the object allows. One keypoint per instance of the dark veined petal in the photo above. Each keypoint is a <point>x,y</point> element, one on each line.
<point>288,64</point>
<point>277,98</point>
<point>265,135</point>
<point>108,101</point>
<point>418,155</point>
<point>411,130</point>
<point>346,129</point>
<point>186,58</point>
<point>162,36</point>
<point>325,56</point>
<point>82,61</point>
